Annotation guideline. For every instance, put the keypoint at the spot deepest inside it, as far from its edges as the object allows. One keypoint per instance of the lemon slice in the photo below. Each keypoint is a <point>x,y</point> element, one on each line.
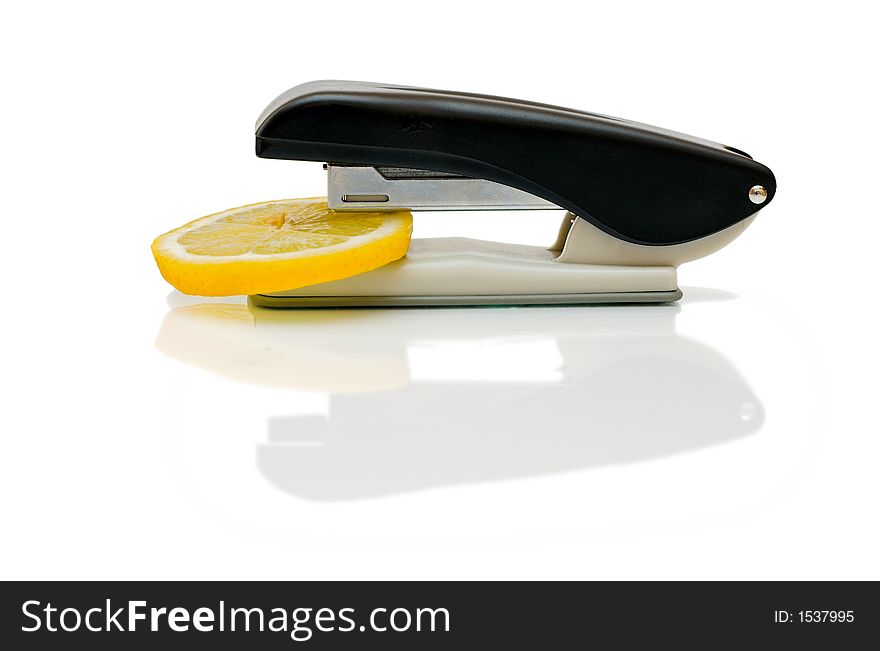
<point>278,245</point>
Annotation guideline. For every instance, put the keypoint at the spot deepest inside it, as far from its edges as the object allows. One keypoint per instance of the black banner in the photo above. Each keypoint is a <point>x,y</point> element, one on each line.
<point>168,615</point>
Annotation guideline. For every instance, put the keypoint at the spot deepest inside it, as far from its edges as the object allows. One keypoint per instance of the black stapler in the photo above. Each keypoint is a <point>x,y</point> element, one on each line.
<point>640,200</point>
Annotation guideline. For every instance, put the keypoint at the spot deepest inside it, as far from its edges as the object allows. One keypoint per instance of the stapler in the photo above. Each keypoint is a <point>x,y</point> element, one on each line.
<point>640,200</point>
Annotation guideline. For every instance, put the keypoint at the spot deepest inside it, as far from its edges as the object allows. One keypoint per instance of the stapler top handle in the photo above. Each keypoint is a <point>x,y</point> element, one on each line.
<point>638,183</point>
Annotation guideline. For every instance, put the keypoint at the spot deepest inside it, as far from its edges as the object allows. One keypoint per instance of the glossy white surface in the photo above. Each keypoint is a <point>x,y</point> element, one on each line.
<point>482,424</point>
<point>150,435</point>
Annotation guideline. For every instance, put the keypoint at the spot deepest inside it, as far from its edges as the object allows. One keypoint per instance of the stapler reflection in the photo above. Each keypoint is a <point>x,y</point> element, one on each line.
<point>421,399</point>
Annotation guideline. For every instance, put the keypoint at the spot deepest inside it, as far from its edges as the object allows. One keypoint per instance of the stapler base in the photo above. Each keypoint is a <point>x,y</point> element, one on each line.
<point>599,298</point>
<point>465,272</point>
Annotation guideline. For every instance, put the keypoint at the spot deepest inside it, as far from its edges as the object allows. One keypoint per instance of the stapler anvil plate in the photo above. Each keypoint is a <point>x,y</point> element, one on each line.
<point>640,200</point>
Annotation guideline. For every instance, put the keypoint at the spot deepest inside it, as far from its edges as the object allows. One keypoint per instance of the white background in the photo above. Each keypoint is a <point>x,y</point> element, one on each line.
<point>146,435</point>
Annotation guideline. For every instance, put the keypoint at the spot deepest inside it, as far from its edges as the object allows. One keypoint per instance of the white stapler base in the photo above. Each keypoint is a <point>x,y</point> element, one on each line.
<point>460,271</point>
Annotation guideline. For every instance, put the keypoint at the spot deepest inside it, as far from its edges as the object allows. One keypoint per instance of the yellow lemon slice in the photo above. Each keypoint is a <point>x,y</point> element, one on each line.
<point>278,245</point>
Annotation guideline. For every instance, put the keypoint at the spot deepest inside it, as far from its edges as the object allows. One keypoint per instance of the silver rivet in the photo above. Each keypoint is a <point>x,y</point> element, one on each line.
<point>757,194</point>
<point>748,411</point>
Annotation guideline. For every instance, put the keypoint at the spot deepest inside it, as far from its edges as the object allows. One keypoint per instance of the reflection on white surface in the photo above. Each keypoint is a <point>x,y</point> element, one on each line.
<point>486,361</point>
<point>415,399</point>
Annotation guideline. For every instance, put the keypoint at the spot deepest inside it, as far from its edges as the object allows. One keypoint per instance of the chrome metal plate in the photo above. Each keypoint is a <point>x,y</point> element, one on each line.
<point>597,298</point>
<point>351,187</point>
